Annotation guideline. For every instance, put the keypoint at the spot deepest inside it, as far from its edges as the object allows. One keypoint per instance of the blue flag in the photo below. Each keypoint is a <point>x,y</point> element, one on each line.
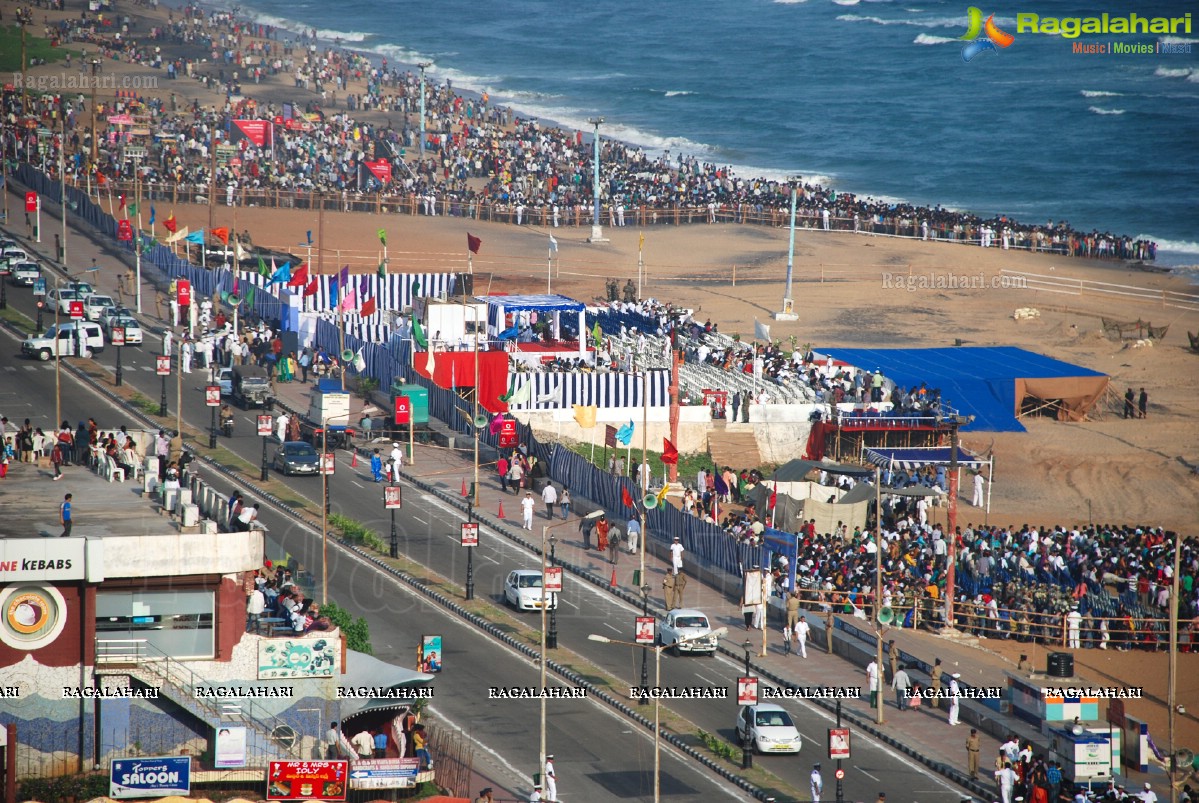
<point>153,214</point>
<point>283,274</point>
<point>310,236</point>
<point>333,289</point>
<point>510,333</point>
<point>625,434</point>
<point>196,237</point>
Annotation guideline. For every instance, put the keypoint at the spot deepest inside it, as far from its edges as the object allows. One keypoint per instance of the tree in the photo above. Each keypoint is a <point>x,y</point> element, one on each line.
<point>357,631</point>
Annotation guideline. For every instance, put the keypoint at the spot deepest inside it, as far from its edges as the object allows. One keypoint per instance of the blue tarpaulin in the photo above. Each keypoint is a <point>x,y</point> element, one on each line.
<point>987,383</point>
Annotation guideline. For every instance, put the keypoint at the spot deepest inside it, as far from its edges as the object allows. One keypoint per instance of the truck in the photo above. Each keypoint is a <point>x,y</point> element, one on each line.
<point>329,405</point>
<point>251,387</point>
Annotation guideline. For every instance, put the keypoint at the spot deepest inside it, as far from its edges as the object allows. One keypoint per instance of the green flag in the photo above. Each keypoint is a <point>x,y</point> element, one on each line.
<point>418,334</point>
<point>250,296</point>
<point>262,271</point>
<point>597,334</point>
<point>383,269</point>
<point>383,236</point>
<point>132,210</point>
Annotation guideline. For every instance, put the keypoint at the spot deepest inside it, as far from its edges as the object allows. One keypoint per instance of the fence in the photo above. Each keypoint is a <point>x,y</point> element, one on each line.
<point>1066,285</point>
<point>454,759</point>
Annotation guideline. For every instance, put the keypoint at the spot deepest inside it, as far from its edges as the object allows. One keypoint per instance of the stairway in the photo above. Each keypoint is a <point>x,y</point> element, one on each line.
<point>733,446</point>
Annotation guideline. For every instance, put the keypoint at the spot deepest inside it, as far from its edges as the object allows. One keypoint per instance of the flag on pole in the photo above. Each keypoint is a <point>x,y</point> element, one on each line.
<point>238,252</point>
<point>625,434</point>
<point>153,214</point>
<point>625,497</point>
<point>349,302</point>
<point>418,334</point>
<point>497,424</point>
<point>641,242</point>
<point>509,334</point>
<point>359,361</point>
<point>250,296</point>
<point>383,236</point>
<point>121,201</point>
<point>170,224</point>
<point>383,269</point>
<point>670,455</point>
<point>299,277</point>
<point>368,308</point>
<point>761,331</point>
<point>132,210</point>
<point>553,397</point>
<point>522,394</point>
<point>196,237</point>
<point>221,234</point>
<point>283,274</point>
<point>473,243</point>
<point>553,245</point>
<point>343,278</point>
<point>597,335</point>
<point>430,365</point>
<point>262,269</point>
<point>310,238</point>
<point>311,289</point>
<point>662,493</point>
<point>181,234</point>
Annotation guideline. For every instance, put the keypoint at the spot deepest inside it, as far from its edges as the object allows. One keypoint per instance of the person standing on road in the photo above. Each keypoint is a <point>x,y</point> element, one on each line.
<point>56,460</point>
<point>872,683</point>
<point>830,624</point>
<point>167,337</point>
<point>65,516</point>
<point>802,628</point>
<point>281,426</point>
<point>972,748</point>
<point>332,742</point>
<point>396,456</point>
<point>501,468</point>
<point>676,555</point>
<point>549,495</point>
<point>817,783</point>
<point>934,683</point>
<point>633,532</point>
<point>902,685</point>
<point>526,508</point>
<point>955,703</point>
<point>551,780</point>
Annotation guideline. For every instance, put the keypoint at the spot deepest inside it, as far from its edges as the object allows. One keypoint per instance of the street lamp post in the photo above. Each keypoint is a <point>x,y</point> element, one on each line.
<point>788,311</point>
<point>162,401</point>
<point>878,593</point>
<point>839,774</point>
<point>597,231</point>
<point>551,639</point>
<point>264,472</point>
<point>470,550</point>
<point>747,753</point>
<point>120,373</point>
<point>719,634</point>
<point>421,149</point>
<point>645,589</point>
<point>545,529</point>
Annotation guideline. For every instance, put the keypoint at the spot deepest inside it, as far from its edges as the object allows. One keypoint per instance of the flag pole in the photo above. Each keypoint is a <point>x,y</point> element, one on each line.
<point>549,268</point>
<point>640,263</point>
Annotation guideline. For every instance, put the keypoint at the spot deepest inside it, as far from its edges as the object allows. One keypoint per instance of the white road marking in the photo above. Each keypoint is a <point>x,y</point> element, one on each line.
<point>359,484</point>
<point>490,559</point>
<point>705,677</point>
<point>422,521</point>
<point>613,629</point>
<point>875,778</point>
<point>564,601</point>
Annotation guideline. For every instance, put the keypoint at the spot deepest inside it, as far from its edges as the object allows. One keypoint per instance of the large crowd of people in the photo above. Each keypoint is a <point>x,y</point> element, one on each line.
<point>476,159</point>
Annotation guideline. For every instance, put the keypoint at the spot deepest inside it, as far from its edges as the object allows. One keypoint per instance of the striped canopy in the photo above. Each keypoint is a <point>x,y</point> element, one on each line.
<point>918,457</point>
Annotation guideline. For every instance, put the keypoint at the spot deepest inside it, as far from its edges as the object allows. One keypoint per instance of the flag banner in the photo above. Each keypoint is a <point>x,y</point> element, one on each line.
<point>641,242</point>
<point>170,223</point>
<point>509,334</point>
<point>359,361</point>
<point>312,288</point>
<point>239,253</point>
<point>299,277</point>
<point>585,415</point>
<point>181,234</point>
<point>350,302</point>
<point>625,434</point>
<point>132,210</point>
<point>553,397</point>
<point>553,245</point>
<point>761,331</point>
<point>597,335</point>
<point>473,243</point>
<point>121,201</point>
<point>221,234</point>
<point>343,278</point>
<point>718,484</point>
<point>383,269</point>
<point>662,493</point>
<point>625,497</point>
<point>368,308</point>
<point>497,423</point>
<point>522,394</point>
<point>196,237</point>
<point>380,169</point>
<point>383,236</point>
<point>670,455</point>
<point>256,131</point>
<point>262,269</point>
<point>250,296</point>
<point>609,435</point>
<point>283,274</point>
<point>430,363</point>
<point>418,334</point>
<point>153,214</point>
<point>309,238</point>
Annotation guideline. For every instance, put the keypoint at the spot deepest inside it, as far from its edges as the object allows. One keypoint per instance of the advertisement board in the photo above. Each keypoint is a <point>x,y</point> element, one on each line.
<point>470,533</point>
<point>403,410</point>
<point>384,773</point>
<point>838,743</point>
<point>303,657</point>
<point>430,654</point>
<point>117,335</point>
<point>645,630</point>
<point>553,580</point>
<point>265,425</point>
<point>392,498</point>
<point>747,691</point>
<point>157,776</point>
<point>212,395</point>
<point>162,365</point>
<point>75,310</point>
<point>304,780</point>
<point>230,750</point>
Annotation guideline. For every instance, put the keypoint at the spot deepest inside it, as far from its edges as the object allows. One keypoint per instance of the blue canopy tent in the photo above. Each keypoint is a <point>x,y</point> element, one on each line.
<point>917,457</point>
<point>523,307</point>
<point>989,383</point>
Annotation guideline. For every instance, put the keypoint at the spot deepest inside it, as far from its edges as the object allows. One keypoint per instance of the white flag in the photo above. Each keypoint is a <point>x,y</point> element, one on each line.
<point>761,331</point>
<point>522,394</point>
<point>554,396</point>
<point>177,236</point>
<point>429,365</point>
<point>359,362</point>
<point>553,245</point>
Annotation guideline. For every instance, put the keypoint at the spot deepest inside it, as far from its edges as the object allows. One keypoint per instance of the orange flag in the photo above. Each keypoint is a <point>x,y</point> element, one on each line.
<point>221,234</point>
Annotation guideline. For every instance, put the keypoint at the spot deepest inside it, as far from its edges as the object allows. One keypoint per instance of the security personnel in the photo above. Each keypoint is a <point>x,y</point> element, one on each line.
<point>972,747</point>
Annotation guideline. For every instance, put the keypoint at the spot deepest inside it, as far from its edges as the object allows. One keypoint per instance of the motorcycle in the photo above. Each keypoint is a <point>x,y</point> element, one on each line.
<point>227,425</point>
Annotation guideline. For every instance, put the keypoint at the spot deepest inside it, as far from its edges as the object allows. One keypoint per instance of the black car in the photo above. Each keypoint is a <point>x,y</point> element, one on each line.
<point>297,457</point>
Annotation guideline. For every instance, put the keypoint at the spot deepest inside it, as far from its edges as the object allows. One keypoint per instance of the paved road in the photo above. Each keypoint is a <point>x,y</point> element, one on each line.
<point>429,535</point>
<point>600,756</point>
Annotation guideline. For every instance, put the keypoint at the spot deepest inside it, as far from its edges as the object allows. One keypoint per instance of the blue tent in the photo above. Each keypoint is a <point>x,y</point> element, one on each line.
<point>989,383</point>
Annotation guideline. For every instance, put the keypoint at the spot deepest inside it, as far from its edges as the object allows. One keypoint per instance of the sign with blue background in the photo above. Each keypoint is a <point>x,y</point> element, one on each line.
<point>149,777</point>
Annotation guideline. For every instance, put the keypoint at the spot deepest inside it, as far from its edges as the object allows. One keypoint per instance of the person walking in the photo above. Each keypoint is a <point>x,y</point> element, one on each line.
<point>501,467</point>
<point>934,683</point>
<point>676,555</point>
<point>902,684</point>
<point>332,742</point>
<point>1006,778</point>
<point>65,516</point>
<point>802,628</point>
<point>972,748</point>
<point>1142,404</point>
<point>526,508</point>
<point>955,701</point>
<point>549,495</point>
<point>564,503</point>
<point>817,783</point>
<point>792,606</point>
<point>979,490</point>
<point>56,460</point>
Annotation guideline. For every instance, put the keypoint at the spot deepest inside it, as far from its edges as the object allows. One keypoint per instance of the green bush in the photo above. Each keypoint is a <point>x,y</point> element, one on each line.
<point>80,787</point>
<point>358,533</point>
<point>357,631</point>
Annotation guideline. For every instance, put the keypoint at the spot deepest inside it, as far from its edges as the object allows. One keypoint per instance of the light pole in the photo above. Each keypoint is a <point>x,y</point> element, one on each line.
<point>551,639</point>
<point>265,431</point>
<point>470,550</point>
<point>878,595</point>
<point>840,775</point>
<point>788,311</point>
<point>747,753</point>
<point>421,150</point>
<point>719,634</point>
<point>325,508</point>
<point>62,187</point>
<point>597,231</point>
<point>545,529</point>
<point>118,340</point>
<point>162,401</point>
<point>645,589</point>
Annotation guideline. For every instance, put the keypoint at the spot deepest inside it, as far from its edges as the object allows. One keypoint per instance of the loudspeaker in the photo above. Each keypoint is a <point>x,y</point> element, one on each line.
<point>886,616</point>
<point>480,421</point>
<point>347,355</point>
<point>650,501</point>
<point>232,299</point>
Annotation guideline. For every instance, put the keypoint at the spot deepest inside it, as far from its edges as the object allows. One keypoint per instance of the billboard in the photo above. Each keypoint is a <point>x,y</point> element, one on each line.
<point>303,657</point>
<point>304,780</point>
<point>159,776</point>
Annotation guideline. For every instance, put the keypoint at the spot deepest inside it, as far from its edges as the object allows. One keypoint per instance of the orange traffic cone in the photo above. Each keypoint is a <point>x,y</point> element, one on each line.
<point>354,462</point>
<point>501,513</point>
<point>464,491</point>
<point>613,581</point>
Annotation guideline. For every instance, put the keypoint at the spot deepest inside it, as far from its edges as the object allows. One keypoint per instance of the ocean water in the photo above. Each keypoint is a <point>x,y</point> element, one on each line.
<point>867,96</point>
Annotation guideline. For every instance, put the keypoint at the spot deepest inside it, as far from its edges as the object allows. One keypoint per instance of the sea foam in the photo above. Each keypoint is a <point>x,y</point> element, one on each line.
<point>928,39</point>
<point>1099,93</point>
<point>1097,110</point>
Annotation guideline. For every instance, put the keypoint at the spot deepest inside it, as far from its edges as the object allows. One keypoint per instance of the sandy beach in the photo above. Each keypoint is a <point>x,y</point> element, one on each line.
<point>850,290</point>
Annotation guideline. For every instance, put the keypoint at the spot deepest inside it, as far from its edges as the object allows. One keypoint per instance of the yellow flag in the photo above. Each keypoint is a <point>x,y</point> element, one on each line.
<point>662,493</point>
<point>585,415</point>
<point>641,242</point>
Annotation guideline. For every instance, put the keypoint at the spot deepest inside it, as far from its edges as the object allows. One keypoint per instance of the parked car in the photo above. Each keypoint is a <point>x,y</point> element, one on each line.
<point>95,304</point>
<point>522,590</point>
<point>114,311</point>
<point>82,288</point>
<point>251,386</point>
<point>11,255</point>
<point>225,380</point>
<point>133,330</point>
<point>26,273</point>
<point>66,339</point>
<point>62,297</point>
<point>685,628</point>
<point>769,728</point>
<point>297,457</point>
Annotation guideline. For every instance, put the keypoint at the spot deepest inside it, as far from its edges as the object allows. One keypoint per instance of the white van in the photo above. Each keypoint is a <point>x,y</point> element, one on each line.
<point>69,339</point>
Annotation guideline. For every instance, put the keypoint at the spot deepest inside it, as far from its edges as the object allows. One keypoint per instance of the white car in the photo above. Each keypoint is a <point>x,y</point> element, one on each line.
<point>95,304</point>
<point>133,329</point>
<point>686,629</point>
<point>62,297</point>
<point>67,339</point>
<point>769,728</point>
<point>25,273</point>
<point>12,255</point>
<point>522,590</point>
<point>225,380</point>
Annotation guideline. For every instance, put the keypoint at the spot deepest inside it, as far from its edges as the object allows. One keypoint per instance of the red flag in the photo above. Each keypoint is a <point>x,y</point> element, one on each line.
<point>121,201</point>
<point>367,308</point>
<point>170,225</point>
<point>625,498</point>
<point>473,243</point>
<point>670,455</point>
<point>310,290</point>
<point>299,277</point>
<point>774,500</point>
<point>221,234</point>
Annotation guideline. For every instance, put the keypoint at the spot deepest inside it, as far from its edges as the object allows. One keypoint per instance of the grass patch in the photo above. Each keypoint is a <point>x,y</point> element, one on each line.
<point>144,403</point>
<point>18,319</point>
<point>36,47</point>
<point>358,533</point>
